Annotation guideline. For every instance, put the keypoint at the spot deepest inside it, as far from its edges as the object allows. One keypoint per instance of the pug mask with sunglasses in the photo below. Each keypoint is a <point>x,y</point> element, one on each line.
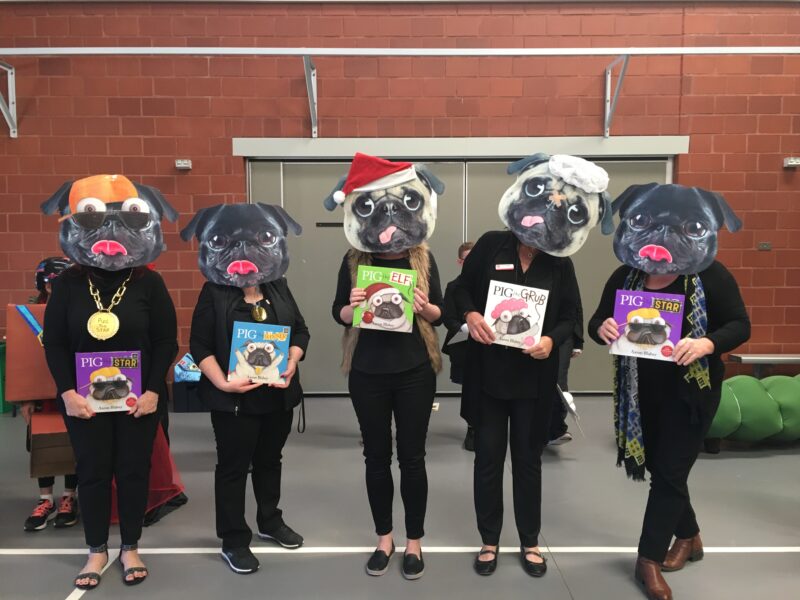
<point>109,222</point>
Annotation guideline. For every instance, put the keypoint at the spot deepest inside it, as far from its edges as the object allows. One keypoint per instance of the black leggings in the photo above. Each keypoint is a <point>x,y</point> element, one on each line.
<point>70,482</point>
<point>113,446</point>
<point>409,396</point>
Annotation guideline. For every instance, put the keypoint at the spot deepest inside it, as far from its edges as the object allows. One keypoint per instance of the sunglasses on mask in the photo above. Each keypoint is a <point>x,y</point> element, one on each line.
<point>135,220</point>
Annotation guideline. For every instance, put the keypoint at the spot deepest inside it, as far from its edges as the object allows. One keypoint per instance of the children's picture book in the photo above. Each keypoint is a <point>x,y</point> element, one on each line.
<point>389,305</point>
<point>515,313</point>
<point>110,381</point>
<point>259,352</point>
<point>649,324</point>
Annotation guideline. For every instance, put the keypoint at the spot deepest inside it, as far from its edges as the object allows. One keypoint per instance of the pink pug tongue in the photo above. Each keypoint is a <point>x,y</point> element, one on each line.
<point>531,220</point>
<point>386,235</point>
<point>109,247</point>
<point>242,267</point>
<point>656,253</point>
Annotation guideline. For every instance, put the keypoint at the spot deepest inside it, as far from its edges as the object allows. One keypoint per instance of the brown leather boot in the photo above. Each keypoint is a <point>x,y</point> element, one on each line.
<point>648,573</point>
<point>682,550</point>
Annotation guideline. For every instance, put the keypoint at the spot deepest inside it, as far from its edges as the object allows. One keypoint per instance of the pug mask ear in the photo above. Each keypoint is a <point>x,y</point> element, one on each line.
<point>283,218</point>
<point>58,201</point>
<point>621,202</point>
<point>527,162</point>
<point>198,222</point>
<point>330,201</point>
<point>729,218</point>
<point>156,198</point>
<point>429,179</point>
<point>606,214</point>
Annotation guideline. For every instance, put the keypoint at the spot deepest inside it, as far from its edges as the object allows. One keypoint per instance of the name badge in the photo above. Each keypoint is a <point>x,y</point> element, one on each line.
<point>504,267</point>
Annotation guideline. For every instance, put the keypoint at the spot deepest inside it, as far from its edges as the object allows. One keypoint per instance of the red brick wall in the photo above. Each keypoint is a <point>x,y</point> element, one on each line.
<point>134,115</point>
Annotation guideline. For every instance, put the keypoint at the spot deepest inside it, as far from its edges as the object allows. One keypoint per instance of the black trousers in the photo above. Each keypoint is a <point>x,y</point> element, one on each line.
<point>112,446</point>
<point>558,418</point>
<point>70,482</point>
<point>409,397</point>
<point>528,420</point>
<point>672,443</point>
<point>244,440</point>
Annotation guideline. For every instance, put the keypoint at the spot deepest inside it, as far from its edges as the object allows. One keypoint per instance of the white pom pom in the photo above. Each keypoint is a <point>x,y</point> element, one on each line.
<point>338,196</point>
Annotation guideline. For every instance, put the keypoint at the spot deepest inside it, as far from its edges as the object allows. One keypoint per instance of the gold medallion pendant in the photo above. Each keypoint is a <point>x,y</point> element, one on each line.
<point>259,313</point>
<point>103,325</point>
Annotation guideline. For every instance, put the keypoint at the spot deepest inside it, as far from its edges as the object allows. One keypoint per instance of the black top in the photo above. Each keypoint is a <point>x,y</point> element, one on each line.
<point>385,351</point>
<point>218,306</point>
<point>501,371</point>
<point>728,324</point>
<point>146,317</point>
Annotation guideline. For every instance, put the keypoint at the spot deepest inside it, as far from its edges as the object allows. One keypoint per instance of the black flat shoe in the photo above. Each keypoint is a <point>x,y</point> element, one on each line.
<point>486,567</point>
<point>413,566</point>
<point>531,568</point>
<point>378,563</point>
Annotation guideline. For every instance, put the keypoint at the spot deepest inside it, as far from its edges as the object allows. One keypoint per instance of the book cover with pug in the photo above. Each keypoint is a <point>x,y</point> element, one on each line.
<point>110,381</point>
<point>259,352</point>
<point>389,305</point>
<point>650,324</point>
<point>515,313</point>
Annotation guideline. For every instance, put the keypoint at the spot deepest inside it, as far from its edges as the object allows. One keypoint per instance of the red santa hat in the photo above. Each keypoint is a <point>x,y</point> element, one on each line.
<point>368,173</point>
<point>374,288</point>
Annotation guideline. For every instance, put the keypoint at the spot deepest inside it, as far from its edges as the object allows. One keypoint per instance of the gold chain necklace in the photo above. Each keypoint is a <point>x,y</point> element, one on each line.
<point>104,324</point>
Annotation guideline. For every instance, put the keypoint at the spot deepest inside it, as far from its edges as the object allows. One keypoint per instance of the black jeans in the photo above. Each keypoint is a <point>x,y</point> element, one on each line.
<point>242,441</point>
<point>70,482</point>
<point>112,446</point>
<point>672,443</point>
<point>529,419</point>
<point>409,396</point>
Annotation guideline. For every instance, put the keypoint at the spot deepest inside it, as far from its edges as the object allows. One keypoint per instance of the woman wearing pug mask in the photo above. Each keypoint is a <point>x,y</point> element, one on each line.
<point>243,255</point>
<point>111,301</point>
<point>667,240</point>
<point>389,213</point>
<point>548,211</point>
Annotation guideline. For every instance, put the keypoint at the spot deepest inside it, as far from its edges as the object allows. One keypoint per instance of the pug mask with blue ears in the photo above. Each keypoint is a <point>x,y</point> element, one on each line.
<point>555,202</point>
<point>242,245</point>
<point>388,206</point>
<point>109,222</point>
<point>669,229</point>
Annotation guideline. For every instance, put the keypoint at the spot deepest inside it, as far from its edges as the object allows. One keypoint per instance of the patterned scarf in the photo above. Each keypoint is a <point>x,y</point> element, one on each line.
<point>627,415</point>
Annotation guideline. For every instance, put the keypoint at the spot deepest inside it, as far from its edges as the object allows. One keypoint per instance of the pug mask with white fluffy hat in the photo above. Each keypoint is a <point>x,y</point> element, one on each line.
<point>555,202</point>
<point>388,206</point>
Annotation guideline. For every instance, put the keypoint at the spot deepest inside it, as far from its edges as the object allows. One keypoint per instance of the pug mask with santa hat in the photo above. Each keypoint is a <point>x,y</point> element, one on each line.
<point>388,206</point>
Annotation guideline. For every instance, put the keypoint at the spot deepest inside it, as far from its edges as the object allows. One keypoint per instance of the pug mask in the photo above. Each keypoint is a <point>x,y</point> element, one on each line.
<point>242,245</point>
<point>388,206</point>
<point>109,222</point>
<point>555,202</point>
<point>670,229</point>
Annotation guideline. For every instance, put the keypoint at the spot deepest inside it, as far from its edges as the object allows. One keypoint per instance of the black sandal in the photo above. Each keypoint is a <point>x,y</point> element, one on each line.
<point>93,577</point>
<point>132,570</point>
<point>533,569</point>
<point>486,567</point>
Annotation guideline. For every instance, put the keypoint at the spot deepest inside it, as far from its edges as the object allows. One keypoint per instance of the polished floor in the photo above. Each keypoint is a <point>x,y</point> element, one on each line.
<point>747,500</point>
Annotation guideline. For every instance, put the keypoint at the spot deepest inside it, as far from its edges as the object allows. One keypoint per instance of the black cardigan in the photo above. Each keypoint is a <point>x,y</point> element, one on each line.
<point>536,377</point>
<point>211,336</point>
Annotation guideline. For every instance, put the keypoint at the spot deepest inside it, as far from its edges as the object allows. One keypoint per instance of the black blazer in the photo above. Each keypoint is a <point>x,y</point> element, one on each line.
<point>211,336</point>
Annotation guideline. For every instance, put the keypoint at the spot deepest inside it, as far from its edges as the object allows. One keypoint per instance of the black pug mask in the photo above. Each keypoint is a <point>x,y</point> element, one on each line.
<point>555,202</point>
<point>109,222</point>
<point>388,206</point>
<point>670,229</point>
<point>242,245</point>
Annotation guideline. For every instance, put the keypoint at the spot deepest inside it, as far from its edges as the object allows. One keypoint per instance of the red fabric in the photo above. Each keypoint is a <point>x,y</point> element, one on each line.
<point>365,169</point>
<point>165,481</point>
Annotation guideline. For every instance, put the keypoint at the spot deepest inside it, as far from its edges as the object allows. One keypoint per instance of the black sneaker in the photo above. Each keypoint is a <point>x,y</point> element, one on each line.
<point>240,560</point>
<point>469,440</point>
<point>378,563</point>
<point>67,514</point>
<point>413,566</point>
<point>45,511</point>
<point>285,536</point>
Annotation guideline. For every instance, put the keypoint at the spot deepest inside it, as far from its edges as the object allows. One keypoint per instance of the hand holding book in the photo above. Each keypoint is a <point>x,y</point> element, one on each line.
<point>540,350</point>
<point>689,350</point>
<point>479,329</point>
<point>146,404</point>
<point>76,405</point>
<point>608,330</point>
